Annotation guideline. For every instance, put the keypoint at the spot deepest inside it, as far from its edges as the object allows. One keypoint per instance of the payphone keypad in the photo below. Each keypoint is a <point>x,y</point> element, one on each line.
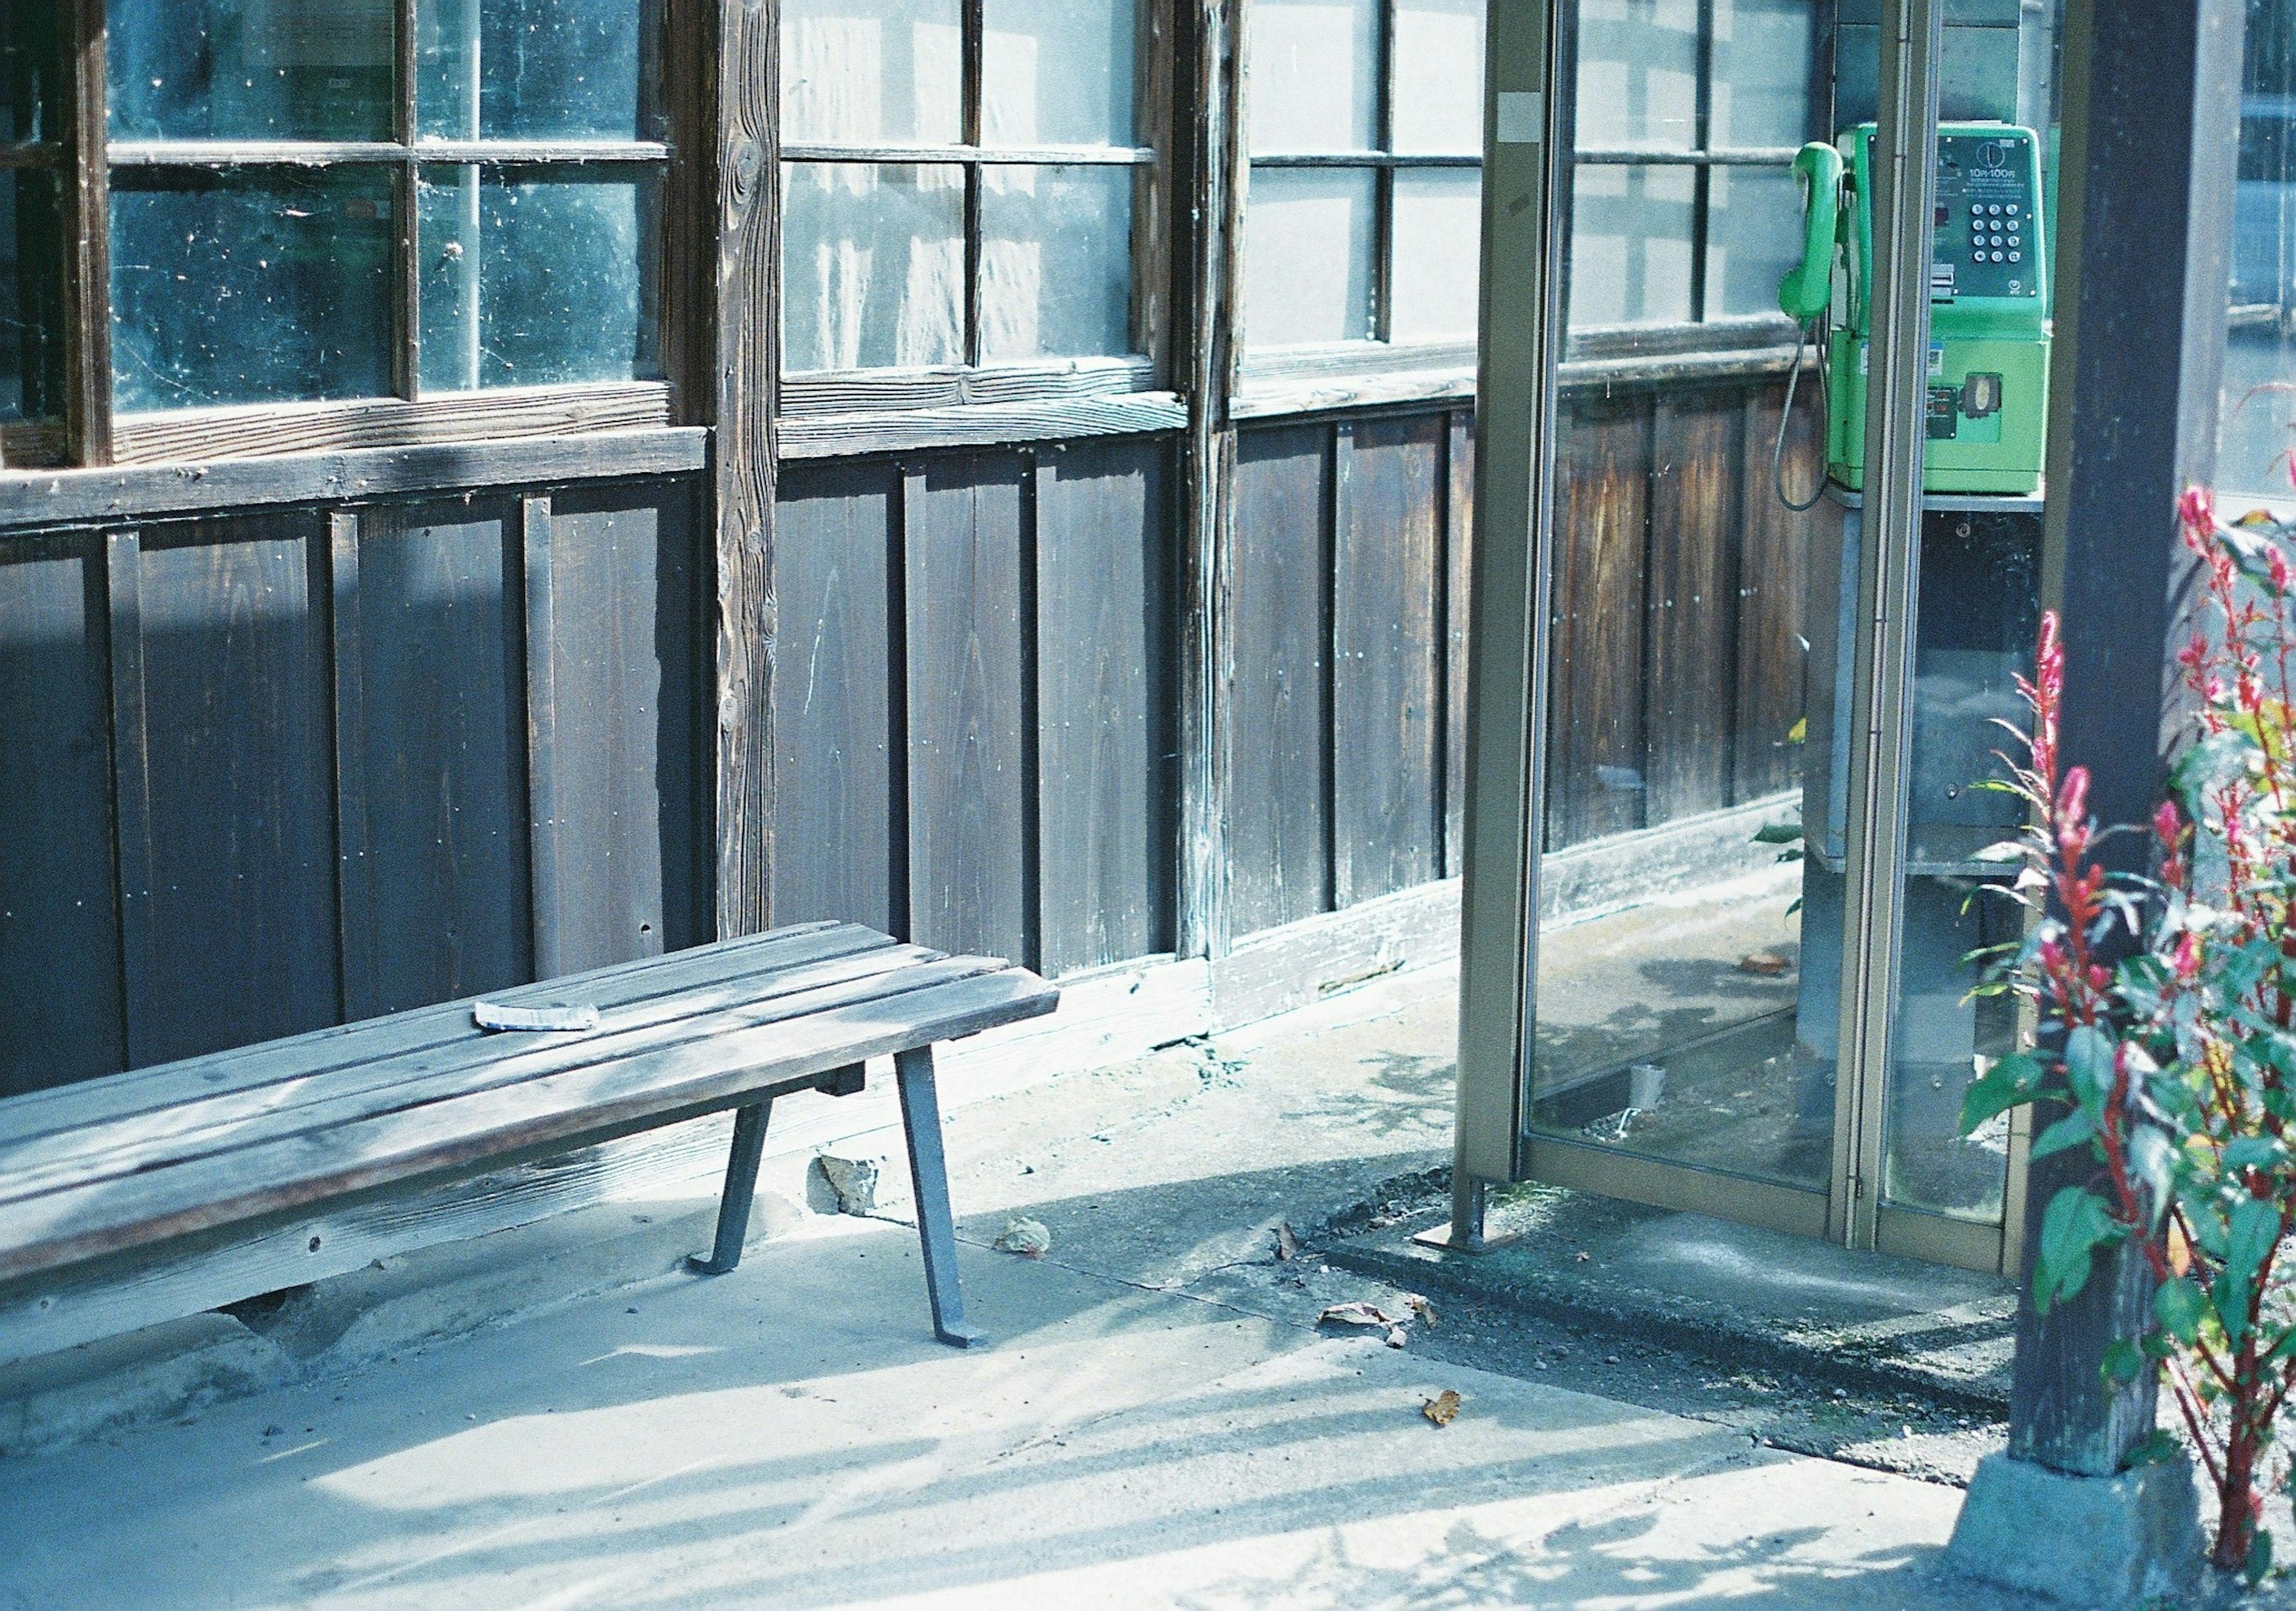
<point>1987,244</point>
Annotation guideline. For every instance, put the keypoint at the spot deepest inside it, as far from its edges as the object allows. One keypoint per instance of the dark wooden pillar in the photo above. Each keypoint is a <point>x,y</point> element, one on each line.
<point>2150,105</point>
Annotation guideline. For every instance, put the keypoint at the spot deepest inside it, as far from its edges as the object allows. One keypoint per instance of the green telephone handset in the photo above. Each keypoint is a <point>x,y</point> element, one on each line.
<point>1807,290</point>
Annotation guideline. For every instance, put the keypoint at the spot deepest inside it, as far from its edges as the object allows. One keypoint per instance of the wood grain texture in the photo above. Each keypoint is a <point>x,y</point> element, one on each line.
<point>60,994</point>
<point>1278,688</point>
<point>982,425</point>
<point>1387,652</point>
<point>88,269</point>
<point>1595,718</point>
<point>196,435</point>
<point>1105,784</point>
<point>747,369</point>
<point>1773,579</point>
<point>431,704</point>
<point>222,714</point>
<point>1690,604</point>
<point>909,390</point>
<point>968,706</point>
<point>1458,559</point>
<point>839,816</point>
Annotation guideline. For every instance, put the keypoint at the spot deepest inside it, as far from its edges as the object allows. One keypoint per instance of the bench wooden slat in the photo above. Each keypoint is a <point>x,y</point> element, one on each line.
<point>565,1108</point>
<point>171,1085</point>
<point>339,1095</point>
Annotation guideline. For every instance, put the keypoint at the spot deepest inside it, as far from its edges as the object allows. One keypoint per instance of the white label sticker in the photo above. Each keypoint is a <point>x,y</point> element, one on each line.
<point>1523,116</point>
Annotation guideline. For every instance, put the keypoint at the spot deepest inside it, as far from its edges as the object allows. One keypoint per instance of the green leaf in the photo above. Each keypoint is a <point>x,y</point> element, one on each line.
<point>2159,1447</point>
<point>2076,1129</point>
<point>2011,1082</point>
<point>2002,850</point>
<point>2253,1152</point>
<point>2153,1160</point>
<point>2259,1559</point>
<point>2123,1363</point>
<point>2088,1066</point>
<point>2077,1222</point>
<point>2252,1227</point>
<point>2180,1305</point>
<point>1778,833</point>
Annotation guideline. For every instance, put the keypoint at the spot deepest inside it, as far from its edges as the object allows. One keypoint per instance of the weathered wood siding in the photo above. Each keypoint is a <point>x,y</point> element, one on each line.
<point>264,772</point>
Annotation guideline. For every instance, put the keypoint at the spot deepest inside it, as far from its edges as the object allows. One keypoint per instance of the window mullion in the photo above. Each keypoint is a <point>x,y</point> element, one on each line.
<point>1702,190</point>
<point>406,290</point>
<point>88,272</point>
<point>1382,287</point>
<point>975,175</point>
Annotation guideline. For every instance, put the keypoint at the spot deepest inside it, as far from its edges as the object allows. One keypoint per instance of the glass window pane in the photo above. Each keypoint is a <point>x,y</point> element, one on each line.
<point>1057,75</point>
<point>31,62</point>
<point>255,285</point>
<point>1055,263</point>
<point>1307,260</point>
<point>1753,232</point>
<point>873,266</point>
<point>864,71</point>
<point>31,296</point>
<point>1637,73</point>
<point>537,70</point>
<point>1630,245</point>
<point>2258,418</point>
<point>251,70</point>
<point>1439,76</point>
<point>1761,71</point>
<point>535,277</point>
<point>1439,225</point>
<point>1315,67</point>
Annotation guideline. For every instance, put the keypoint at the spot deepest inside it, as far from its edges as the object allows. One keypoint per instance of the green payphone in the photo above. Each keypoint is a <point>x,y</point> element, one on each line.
<point>1989,368</point>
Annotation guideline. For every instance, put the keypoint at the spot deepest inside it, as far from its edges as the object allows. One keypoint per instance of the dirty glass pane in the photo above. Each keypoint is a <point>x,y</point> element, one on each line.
<point>1753,226</point>
<point>1307,258</point>
<point>31,62</point>
<point>251,70</point>
<point>1438,70</point>
<point>537,70</point>
<point>1637,73</point>
<point>255,285</point>
<point>871,70</point>
<point>1315,66</point>
<point>2259,416</point>
<point>873,266</point>
<point>1057,75</point>
<point>1438,222</point>
<point>537,277</point>
<point>1761,72</point>
<point>1056,262</point>
<point>31,296</point>
<point>1630,244</point>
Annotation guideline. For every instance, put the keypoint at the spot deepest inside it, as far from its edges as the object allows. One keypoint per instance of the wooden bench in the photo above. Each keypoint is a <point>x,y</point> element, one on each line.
<point>222,1145</point>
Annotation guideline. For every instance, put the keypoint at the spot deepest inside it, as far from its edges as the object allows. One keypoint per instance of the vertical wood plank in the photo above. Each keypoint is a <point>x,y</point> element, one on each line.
<point>542,847</point>
<point>431,724</point>
<point>1277,690</point>
<point>748,368</point>
<point>132,781</point>
<point>1387,658</point>
<point>1696,506</point>
<point>1595,734</point>
<point>1105,784</point>
<point>60,994</point>
<point>87,275</point>
<point>1458,555</point>
<point>1773,574</point>
<point>968,819</point>
<point>839,830</point>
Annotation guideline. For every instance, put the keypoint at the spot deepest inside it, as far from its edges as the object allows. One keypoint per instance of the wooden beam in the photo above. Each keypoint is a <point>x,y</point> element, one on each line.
<point>87,271</point>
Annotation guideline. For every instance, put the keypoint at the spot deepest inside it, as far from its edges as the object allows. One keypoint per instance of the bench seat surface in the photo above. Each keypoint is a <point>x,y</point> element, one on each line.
<point>135,1159</point>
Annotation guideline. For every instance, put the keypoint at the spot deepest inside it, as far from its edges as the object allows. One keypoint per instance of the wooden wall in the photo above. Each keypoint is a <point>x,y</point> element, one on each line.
<point>263,773</point>
<point>973,698</point>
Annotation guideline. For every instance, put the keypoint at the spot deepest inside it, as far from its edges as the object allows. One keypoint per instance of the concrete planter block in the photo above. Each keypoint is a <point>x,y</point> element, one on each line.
<point>2103,1543</point>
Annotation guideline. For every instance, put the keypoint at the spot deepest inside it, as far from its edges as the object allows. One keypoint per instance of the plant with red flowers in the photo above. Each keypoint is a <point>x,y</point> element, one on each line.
<point>2168,1011</point>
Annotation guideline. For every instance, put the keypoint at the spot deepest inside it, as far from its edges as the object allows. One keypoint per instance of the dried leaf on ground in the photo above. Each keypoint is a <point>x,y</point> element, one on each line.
<point>1026,1237</point>
<point>1396,1336</point>
<point>1287,1245</point>
<point>1443,1409</point>
<point>1769,964</point>
<point>1356,1315</point>
<point>1421,1307</point>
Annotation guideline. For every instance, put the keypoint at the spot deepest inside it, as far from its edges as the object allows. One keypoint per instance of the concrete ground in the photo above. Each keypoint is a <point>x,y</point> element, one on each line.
<point>1159,1420</point>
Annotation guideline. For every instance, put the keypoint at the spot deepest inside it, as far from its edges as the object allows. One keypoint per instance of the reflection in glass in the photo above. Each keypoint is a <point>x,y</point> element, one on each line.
<point>1056,262</point>
<point>31,67</point>
<point>1438,220</point>
<point>1315,66</point>
<point>1637,73</point>
<point>1630,244</point>
<point>1753,226</point>
<point>1438,69</point>
<point>2259,417</point>
<point>252,285</point>
<point>31,295</point>
<point>251,70</point>
<point>863,70</point>
<point>1761,72</point>
<point>532,277</point>
<point>1056,75</point>
<point>537,70</point>
<point>873,266</point>
<point>1308,267</point>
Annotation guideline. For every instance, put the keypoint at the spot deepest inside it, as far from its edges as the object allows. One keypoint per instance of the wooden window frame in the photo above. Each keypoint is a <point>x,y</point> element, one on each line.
<point>826,412</point>
<point>92,435</point>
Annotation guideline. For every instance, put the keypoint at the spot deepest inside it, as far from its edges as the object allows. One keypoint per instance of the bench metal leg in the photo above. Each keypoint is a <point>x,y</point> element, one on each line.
<point>929,1174</point>
<point>741,1191</point>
